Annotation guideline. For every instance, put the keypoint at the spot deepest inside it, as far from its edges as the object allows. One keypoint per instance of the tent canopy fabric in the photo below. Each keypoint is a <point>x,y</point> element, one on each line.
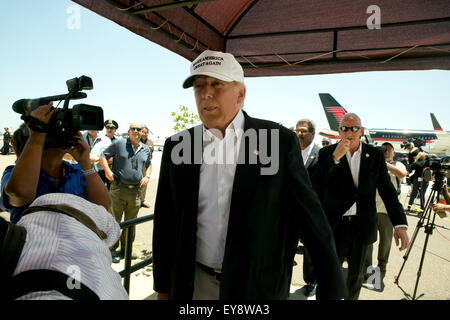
<point>294,37</point>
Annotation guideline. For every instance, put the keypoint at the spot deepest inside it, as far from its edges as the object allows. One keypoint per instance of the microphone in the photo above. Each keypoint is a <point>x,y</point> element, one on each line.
<point>24,106</point>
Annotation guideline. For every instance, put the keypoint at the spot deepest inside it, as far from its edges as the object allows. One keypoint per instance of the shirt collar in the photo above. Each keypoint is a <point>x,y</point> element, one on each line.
<point>234,127</point>
<point>309,148</point>
<point>357,152</point>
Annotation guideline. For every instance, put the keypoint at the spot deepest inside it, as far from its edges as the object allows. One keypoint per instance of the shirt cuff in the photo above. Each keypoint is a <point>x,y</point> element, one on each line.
<point>401,226</point>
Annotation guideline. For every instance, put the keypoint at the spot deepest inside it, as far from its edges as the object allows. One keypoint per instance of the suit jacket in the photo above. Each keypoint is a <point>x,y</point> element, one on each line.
<point>267,214</point>
<point>337,192</point>
<point>311,163</point>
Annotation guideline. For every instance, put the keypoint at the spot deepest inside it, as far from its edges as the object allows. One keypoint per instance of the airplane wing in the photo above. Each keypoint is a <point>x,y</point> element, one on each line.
<point>329,133</point>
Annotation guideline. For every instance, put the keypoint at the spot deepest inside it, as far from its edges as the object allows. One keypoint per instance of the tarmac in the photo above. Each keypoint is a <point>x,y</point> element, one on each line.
<point>432,278</point>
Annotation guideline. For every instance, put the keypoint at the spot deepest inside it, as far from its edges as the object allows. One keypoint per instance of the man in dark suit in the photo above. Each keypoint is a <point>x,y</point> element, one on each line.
<point>233,197</point>
<point>348,175</point>
<point>306,131</point>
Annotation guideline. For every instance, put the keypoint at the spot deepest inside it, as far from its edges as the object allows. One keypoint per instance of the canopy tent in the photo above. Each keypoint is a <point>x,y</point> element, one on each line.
<point>294,37</point>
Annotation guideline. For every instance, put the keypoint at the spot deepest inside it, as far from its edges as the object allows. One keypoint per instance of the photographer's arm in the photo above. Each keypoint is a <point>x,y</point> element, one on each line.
<point>96,190</point>
<point>22,185</point>
<point>440,207</point>
<point>399,173</point>
<point>446,195</point>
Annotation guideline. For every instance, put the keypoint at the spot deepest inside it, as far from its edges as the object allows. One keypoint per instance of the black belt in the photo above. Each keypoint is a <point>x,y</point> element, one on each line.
<point>215,273</point>
<point>129,186</point>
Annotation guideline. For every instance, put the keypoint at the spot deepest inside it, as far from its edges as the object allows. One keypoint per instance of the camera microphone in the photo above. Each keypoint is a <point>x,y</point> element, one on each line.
<point>24,106</point>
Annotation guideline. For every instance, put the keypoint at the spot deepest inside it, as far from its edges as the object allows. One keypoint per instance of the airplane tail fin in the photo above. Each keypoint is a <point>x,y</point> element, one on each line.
<point>436,125</point>
<point>333,110</point>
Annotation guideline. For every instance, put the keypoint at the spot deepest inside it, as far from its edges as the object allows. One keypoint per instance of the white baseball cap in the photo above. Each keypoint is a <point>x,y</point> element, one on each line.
<point>216,64</point>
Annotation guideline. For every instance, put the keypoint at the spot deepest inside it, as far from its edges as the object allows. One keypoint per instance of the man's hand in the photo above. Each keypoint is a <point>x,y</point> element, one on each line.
<point>109,174</point>
<point>162,296</point>
<point>81,152</point>
<point>441,209</point>
<point>400,234</point>
<point>341,150</point>
<point>44,113</point>
<point>144,182</point>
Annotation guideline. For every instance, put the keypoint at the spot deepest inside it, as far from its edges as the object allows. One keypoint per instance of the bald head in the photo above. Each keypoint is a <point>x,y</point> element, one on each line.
<point>351,115</point>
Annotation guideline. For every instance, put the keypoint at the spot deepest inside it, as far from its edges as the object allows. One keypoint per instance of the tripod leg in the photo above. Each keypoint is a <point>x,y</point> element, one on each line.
<point>428,230</point>
<point>413,239</point>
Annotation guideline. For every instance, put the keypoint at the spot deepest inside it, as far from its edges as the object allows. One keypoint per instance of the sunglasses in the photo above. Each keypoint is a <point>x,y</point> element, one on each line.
<point>301,130</point>
<point>135,129</point>
<point>111,127</point>
<point>352,129</point>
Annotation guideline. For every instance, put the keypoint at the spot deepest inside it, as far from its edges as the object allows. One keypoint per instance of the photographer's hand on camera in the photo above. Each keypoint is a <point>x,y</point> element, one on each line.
<point>38,119</point>
<point>81,152</point>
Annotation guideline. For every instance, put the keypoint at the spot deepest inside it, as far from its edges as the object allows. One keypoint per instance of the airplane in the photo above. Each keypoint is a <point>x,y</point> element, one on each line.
<point>441,146</point>
<point>334,113</point>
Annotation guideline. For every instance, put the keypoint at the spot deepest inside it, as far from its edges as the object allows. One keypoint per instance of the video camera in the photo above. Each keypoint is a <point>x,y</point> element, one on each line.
<point>65,124</point>
<point>435,164</point>
<point>412,142</point>
<point>438,169</point>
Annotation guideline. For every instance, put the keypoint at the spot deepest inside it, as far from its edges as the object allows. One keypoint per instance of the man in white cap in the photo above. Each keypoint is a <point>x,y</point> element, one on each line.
<point>233,197</point>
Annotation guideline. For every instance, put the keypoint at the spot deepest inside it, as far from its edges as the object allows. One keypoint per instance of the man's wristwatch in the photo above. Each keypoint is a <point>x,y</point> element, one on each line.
<point>147,176</point>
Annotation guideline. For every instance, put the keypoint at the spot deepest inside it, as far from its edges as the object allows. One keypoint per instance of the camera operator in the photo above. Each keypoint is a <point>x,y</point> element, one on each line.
<point>397,171</point>
<point>39,171</point>
<point>417,180</point>
<point>440,207</point>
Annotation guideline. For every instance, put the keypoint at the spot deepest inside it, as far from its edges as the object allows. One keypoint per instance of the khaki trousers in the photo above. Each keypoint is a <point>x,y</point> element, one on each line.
<point>125,203</point>
<point>206,287</point>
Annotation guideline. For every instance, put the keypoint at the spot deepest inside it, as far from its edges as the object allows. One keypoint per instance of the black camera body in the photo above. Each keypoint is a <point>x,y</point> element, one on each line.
<point>438,168</point>
<point>64,125</point>
<point>406,145</point>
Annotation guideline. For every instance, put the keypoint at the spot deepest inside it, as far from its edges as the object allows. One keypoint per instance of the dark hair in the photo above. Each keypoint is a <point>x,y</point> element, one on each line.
<point>19,139</point>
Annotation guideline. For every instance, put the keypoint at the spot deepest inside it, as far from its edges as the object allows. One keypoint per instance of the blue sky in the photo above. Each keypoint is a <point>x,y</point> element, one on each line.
<point>137,80</point>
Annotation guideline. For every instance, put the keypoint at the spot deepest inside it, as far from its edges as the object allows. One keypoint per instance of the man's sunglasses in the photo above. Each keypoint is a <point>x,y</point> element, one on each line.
<point>111,127</point>
<point>352,129</point>
<point>135,129</point>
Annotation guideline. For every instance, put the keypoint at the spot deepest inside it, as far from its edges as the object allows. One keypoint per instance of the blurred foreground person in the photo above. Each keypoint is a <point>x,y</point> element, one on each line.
<point>397,171</point>
<point>59,250</point>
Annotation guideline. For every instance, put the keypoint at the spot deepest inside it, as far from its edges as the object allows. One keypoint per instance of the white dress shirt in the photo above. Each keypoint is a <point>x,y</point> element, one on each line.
<point>216,185</point>
<point>97,150</point>
<point>306,152</point>
<point>355,163</point>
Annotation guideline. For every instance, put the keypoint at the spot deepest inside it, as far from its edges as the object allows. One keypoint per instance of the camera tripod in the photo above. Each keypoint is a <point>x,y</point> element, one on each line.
<point>426,220</point>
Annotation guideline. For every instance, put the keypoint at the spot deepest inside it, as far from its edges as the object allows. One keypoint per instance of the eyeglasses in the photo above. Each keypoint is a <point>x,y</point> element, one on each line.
<point>111,128</point>
<point>135,129</point>
<point>352,129</point>
<point>301,130</point>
